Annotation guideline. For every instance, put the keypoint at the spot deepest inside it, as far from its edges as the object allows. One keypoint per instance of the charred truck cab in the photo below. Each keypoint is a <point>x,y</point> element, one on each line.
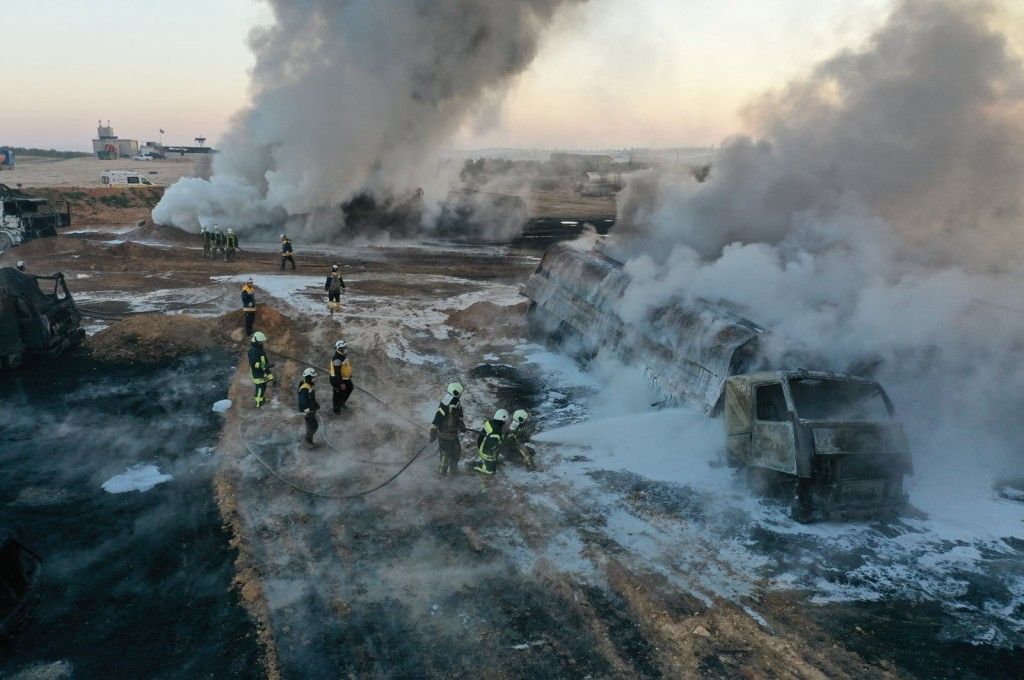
<point>24,217</point>
<point>38,317</point>
<point>832,438</point>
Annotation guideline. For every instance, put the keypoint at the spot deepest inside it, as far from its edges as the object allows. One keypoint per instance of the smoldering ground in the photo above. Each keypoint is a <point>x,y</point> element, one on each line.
<point>144,576</point>
<point>357,97</point>
<point>869,226</point>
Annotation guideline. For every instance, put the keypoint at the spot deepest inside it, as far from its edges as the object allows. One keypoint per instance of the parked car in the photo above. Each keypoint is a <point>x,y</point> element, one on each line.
<point>124,177</point>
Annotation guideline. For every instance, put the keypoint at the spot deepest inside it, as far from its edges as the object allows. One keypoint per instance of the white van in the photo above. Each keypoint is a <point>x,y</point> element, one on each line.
<point>131,177</point>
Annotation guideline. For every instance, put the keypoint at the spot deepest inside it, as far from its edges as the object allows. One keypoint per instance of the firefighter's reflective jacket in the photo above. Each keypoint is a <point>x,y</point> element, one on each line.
<point>448,421</point>
<point>340,368</point>
<point>248,299</point>
<point>286,247</point>
<point>334,283</point>
<point>488,442</point>
<point>307,397</point>
<point>232,240</point>
<point>259,367</point>
<point>219,240</point>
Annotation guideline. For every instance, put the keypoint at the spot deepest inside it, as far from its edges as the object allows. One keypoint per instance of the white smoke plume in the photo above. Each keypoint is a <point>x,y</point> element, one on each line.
<point>355,97</point>
<point>874,223</point>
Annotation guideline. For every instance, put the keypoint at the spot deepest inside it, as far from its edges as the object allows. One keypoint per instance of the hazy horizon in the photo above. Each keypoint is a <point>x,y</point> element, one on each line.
<point>650,74</point>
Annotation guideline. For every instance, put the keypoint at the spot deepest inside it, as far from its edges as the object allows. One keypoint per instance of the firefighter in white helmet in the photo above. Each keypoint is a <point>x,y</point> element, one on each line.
<point>448,424</point>
<point>488,443</point>
<point>340,371</point>
<point>230,244</point>
<point>514,440</point>
<point>259,367</point>
<point>308,405</point>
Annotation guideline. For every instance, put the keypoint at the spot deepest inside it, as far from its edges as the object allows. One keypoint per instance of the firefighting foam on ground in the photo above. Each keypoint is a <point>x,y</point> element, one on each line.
<point>346,409</point>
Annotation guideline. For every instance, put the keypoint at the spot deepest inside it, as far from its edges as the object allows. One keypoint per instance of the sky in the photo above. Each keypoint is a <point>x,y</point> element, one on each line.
<point>612,73</point>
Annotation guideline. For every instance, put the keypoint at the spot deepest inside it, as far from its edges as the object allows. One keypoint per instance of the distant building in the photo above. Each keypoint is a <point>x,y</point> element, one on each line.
<point>108,146</point>
<point>186,151</point>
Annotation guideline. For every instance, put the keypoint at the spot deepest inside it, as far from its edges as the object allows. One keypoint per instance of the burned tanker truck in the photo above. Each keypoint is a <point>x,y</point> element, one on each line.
<point>829,441</point>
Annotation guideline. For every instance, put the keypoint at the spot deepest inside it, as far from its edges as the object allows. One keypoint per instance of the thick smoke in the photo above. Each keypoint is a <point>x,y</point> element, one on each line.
<point>355,97</point>
<point>873,225</point>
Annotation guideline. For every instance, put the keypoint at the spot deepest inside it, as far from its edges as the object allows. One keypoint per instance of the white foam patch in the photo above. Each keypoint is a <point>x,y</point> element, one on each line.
<point>140,477</point>
<point>648,475</point>
<point>221,406</point>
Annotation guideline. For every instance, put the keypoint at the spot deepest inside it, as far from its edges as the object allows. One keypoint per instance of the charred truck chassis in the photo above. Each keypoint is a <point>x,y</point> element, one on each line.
<point>702,354</point>
<point>24,217</point>
<point>34,323</point>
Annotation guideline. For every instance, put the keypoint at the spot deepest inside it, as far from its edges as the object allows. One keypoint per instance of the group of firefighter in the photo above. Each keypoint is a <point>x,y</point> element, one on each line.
<point>501,436</point>
<point>220,243</point>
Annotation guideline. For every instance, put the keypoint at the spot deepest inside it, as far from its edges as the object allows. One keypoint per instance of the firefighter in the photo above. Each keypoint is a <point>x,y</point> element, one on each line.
<point>230,244</point>
<point>219,241</point>
<point>447,426</point>
<point>513,441</point>
<point>340,371</point>
<point>207,243</point>
<point>307,403</point>
<point>286,252</point>
<point>249,305</point>
<point>259,367</point>
<point>334,285</point>
<point>21,265</point>
<point>488,443</point>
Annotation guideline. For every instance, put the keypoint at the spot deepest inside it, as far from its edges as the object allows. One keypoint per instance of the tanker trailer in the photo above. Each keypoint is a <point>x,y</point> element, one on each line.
<point>831,442</point>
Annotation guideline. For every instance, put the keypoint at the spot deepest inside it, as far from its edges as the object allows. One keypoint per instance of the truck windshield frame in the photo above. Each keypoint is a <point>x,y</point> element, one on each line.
<point>831,399</point>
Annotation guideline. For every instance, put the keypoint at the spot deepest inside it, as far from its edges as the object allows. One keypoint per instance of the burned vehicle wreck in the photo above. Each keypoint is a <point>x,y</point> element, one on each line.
<point>833,439</point>
<point>24,217</point>
<point>831,442</point>
<point>34,321</point>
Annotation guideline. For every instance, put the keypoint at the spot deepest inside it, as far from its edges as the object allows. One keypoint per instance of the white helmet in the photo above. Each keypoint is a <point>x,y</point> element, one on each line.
<point>21,264</point>
<point>340,344</point>
<point>520,416</point>
<point>501,414</point>
<point>334,267</point>
<point>230,230</point>
<point>309,373</point>
<point>259,336</point>
<point>282,237</point>
<point>202,229</point>
<point>249,281</point>
<point>455,389</point>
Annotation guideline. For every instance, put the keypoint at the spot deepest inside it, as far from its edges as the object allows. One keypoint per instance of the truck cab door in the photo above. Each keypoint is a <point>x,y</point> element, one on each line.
<point>773,442</point>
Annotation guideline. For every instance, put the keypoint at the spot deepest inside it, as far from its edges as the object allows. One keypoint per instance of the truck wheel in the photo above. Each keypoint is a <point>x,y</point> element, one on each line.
<point>6,243</point>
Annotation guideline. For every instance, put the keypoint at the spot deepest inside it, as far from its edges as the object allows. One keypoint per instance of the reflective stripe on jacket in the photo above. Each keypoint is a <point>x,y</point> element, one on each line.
<point>258,365</point>
<point>489,440</point>
<point>448,421</point>
<point>340,367</point>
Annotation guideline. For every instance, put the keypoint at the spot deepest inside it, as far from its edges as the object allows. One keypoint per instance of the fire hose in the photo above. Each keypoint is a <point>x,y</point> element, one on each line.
<point>311,492</point>
<point>321,494</point>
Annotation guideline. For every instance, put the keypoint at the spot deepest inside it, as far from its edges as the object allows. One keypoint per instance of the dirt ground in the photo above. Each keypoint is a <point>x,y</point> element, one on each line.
<point>515,576</point>
<point>38,171</point>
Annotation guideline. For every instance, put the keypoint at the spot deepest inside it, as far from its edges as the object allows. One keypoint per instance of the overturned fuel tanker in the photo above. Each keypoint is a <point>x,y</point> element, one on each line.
<point>831,442</point>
